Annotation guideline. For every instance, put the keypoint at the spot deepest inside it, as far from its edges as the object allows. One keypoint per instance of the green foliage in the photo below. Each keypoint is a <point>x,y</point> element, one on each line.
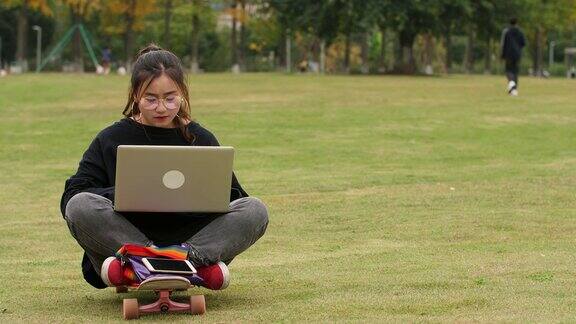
<point>412,16</point>
<point>264,34</point>
<point>320,18</point>
<point>8,31</point>
<point>547,14</point>
<point>269,21</point>
<point>454,15</point>
<point>180,26</point>
<point>216,50</point>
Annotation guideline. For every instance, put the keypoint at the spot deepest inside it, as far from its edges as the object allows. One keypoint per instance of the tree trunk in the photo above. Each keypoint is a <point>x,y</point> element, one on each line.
<point>315,49</point>
<point>347,52</point>
<point>282,47</point>
<point>396,52</point>
<point>488,57</point>
<point>242,45</point>
<point>195,37</point>
<point>382,58</point>
<point>448,47</point>
<point>129,34</point>
<point>322,56</point>
<point>469,57</point>
<point>288,52</point>
<point>167,21</point>
<point>428,54</point>
<point>234,38</point>
<point>22,37</point>
<point>77,40</point>
<point>539,57</point>
<point>365,69</point>
<point>406,63</point>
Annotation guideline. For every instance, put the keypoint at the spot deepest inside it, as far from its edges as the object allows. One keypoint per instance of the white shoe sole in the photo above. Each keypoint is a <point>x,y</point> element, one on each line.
<point>225,275</point>
<point>104,271</point>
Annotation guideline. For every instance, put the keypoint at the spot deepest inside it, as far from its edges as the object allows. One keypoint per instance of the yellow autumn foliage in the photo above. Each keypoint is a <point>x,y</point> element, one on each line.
<point>115,12</point>
<point>39,5</point>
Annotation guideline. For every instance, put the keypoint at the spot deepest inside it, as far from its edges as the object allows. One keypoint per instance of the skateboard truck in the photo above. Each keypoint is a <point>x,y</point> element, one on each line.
<point>163,286</point>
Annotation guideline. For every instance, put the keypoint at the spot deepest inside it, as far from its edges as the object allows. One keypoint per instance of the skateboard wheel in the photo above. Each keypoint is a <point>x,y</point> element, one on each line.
<point>121,289</point>
<point>197,305</point>
<point>130,308</point>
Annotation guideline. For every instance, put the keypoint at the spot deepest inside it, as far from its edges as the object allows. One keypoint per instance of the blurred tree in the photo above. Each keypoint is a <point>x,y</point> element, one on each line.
<point>325,20</point>
<point>201,11</point>
<point>410,18</point>
<point>263,41</point>
<point>261,26</point>
<point>243,18</point>
<point>167,20</point>
<point>453,15</point>
<point>79,11</point>
<point>125,17</point>
<point>192,32</point>
<point>24,6</point>
<point>380,20</point>
<point>197,5</point>
<point>240,17</point>
<point>357,17</point>
<point>538,17</point>
<point>317,18</point>
<point>235,13</point>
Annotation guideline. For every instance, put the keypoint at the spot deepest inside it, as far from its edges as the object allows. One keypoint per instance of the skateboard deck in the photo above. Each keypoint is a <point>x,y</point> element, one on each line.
<point>163,286</point>
<point>165,283</point>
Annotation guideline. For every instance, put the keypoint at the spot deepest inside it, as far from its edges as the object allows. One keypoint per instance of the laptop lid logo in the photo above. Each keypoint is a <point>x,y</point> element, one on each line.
<point>173,179</point>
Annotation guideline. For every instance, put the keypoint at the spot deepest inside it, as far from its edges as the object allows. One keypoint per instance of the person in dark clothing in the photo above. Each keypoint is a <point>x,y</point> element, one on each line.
<point>512,43</point>
<point>106,60</point>
<point>157,113</point>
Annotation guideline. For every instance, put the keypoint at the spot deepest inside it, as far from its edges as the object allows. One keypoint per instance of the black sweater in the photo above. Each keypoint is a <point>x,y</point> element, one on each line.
<point>512,43</point>
<point>97,170</point>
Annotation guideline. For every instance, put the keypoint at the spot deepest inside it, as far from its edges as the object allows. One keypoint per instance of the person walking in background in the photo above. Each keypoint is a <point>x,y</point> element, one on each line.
<point>512,43</point>
<point>106,59</point>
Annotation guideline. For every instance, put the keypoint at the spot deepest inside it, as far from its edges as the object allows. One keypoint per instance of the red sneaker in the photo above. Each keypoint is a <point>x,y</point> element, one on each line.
<point>215,276</point>
<point>111,273</point>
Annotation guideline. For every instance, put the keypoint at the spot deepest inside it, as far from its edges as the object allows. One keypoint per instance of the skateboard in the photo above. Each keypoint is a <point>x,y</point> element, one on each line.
<point>163,287</point>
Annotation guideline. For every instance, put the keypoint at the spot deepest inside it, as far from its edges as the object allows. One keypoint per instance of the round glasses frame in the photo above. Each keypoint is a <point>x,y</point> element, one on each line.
<point>142,103</point>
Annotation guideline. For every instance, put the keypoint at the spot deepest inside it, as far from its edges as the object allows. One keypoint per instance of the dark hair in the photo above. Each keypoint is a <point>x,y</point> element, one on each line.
<point>151,62</point>
<point>513,21</point>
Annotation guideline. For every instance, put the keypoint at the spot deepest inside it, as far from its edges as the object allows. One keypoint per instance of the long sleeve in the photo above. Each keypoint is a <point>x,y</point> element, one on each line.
<point>91,176</point>
<point>236,191</point>
<point>522,40</point>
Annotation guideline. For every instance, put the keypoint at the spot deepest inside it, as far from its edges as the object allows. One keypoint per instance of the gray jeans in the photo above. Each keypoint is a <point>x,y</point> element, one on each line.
<point>101,231</point>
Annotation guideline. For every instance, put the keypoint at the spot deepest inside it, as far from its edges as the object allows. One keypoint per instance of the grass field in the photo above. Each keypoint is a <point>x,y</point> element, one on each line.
<point>390,198</point>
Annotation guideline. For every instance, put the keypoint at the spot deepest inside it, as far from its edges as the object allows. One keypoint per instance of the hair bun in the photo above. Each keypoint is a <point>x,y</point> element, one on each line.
<point>150,48</point>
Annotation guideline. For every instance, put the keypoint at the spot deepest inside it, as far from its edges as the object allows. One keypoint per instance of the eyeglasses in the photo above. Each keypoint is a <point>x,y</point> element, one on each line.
<point>170,102</point>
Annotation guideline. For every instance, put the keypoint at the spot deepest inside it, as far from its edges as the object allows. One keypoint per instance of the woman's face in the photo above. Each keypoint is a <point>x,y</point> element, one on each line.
<point>156,100</point>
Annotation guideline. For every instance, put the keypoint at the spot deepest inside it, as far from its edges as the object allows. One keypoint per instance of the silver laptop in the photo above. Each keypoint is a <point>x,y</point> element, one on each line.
<point>173,178</point>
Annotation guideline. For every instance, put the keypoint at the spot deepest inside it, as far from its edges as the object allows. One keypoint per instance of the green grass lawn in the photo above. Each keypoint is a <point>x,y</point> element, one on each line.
<point>390,198</point>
